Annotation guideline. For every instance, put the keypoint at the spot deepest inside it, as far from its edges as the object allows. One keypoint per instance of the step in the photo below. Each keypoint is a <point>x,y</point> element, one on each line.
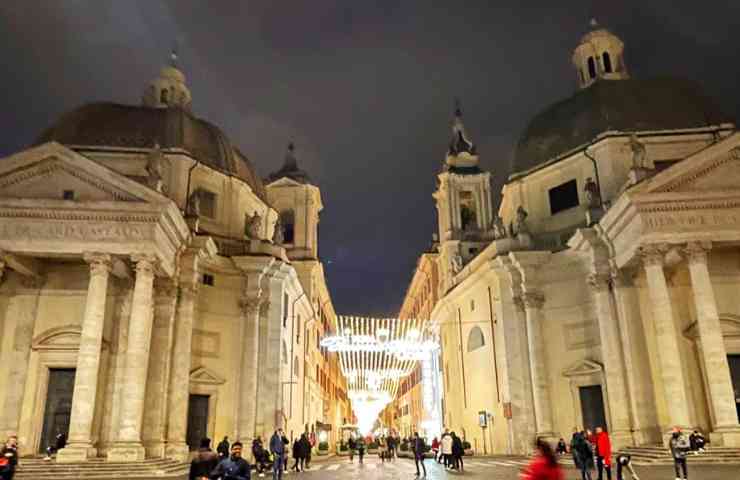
<point>99,468</point>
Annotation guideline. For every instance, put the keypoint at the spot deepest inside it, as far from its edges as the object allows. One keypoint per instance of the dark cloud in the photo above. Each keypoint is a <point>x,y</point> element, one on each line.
<point>364,88</point>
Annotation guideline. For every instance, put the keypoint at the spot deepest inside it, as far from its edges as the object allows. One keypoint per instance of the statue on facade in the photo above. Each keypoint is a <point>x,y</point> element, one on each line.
<point>593,196</point>
<point>252,226</point>
<point>277,236</point>
<point>499,230</point>
<point>155,169</point>
<point>519,226</point>
<point>639,154</point>
<point>457,263</point>
<point>193,206</point>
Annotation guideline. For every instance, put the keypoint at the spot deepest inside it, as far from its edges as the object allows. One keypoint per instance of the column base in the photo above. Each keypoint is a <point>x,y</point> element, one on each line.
<point>621,439</point>
<point>127,452</point>
<point>725,437</point>
<point>179,451</point>
<point>549,437</point>
<point>76,453</point>
<point>155,449</point>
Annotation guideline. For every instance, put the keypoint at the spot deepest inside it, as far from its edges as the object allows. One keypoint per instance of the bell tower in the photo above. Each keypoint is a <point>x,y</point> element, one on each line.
<point>298,203</point>
<point>463,199</point>
<point>599,55</point>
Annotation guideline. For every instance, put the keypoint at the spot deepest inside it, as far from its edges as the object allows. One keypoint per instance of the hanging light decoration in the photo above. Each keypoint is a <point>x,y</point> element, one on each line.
<point>375,354</point>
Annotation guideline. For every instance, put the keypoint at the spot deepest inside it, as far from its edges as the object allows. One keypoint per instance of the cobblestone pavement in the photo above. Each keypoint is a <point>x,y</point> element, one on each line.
<point>481,468</point>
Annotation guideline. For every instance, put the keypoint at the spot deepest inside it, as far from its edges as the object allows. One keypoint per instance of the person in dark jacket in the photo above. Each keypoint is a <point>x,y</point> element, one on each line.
<point>305,450</point>
<point>261,458</point>
<point>418,447</point>
<point>352,446</point>
<point>583,455</point>
<point>204,462</point>
<point>286,449</point>
<point>297,455</point>
<point>234,467</point>
<point>9,458</point>
<point>277,448</point>
<point>361,448</point>
<point>457,452</point>
<point>223,448</point>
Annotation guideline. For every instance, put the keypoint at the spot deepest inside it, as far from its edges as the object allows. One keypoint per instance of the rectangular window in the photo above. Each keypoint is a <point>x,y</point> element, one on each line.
<point>563,196</point>
<point>285,310</point>
<point>68,195</point>
<point>208,279</point>
<point>472,305</point>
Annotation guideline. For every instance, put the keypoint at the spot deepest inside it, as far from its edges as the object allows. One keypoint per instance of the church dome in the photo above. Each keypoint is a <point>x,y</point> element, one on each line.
<point>613,105</point>
<point>130,126</point>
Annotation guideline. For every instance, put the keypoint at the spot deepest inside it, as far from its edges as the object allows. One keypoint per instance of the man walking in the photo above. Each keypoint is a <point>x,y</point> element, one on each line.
<point>447,449</point>
<point>417,447</point>
<point>234,467</point>
<point>679,446</point>
<point>277,448</point>
<point>223,448</point>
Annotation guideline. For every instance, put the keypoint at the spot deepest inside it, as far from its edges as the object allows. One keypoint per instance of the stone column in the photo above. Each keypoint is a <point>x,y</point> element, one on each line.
<point>533,302</point>
<point>22,306</point>
<point>714,355</point>
<point>640,384</point>
<point>79,447</point>
<point>671,370</point>
<point>128,447</point>
<point>247,418</point>
<point>611,352</point>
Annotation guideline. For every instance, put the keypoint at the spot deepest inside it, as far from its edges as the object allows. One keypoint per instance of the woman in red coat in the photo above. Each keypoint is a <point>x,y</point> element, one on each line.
<point>603,453</point>
<point>544,465</point>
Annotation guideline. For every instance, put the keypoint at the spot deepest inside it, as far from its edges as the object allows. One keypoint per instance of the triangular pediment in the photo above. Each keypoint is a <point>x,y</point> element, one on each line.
<point>48,171</point>
<point>583,367</point>
<point>204,375</point>
<point>284,182</point>
<point>730,325</point>
<point>716,168</point>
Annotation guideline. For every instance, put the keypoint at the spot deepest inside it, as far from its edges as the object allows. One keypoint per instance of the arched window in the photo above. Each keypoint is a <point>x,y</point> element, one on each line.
<point>287,220</point>
<point>163,95</point>
<point>591,67</point>
<point>475,339</point>
<point>607,62</point>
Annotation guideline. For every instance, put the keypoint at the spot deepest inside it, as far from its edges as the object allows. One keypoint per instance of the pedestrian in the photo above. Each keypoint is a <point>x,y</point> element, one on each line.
<point>305,450</point>
<point>391,446</point>
<point>297,455</point>
<point>624,461</point>
<point>361,448</point>
<point>603,453</point>
<point>562,448</point>
<point>223,448</point>
<point>447,449</point>
<point>204,462</point>
<point>286,445</point>
<point>260,456</point>
<point>233,467</point>
<point>9,458</point>
<point>352,445</point>
<point>382,448</point>
<point>583,455</point>
<point>679,446</point>
<point>435,449</point>
<point>60,442</point>
<point>277,449</point>
<point>418,447</point>
<point>544,466</point>
<point>457,452</point>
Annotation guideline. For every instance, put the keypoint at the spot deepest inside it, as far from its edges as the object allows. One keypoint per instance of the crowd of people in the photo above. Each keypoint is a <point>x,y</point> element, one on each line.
<point>449,451</point>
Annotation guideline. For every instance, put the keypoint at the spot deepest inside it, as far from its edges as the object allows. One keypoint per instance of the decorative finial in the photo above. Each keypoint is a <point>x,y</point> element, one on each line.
<point>594,23</point>
<point>458,107</point>
<point>291,147</point>
<point>173,54</point>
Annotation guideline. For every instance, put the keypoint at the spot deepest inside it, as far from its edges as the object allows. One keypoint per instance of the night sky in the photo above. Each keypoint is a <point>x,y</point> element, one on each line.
<point>364,88</point>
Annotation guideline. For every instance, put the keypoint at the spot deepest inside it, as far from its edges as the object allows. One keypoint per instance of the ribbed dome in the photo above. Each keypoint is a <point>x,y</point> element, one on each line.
<point>115,125</point>
<point>613,105</point>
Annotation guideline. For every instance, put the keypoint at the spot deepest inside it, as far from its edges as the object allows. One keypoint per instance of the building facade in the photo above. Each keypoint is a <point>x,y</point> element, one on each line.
<point>603,293</point>
<point>150,295</point>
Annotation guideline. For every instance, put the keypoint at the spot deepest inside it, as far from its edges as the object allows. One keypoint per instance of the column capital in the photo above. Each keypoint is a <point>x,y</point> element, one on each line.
<point>100,263</point>
<point>696,252</point>
<point>533,299</point>
<point>653,255</point>
<point>165,287</point>
<point>598,282</point>
<point>250,305</point>
<point>145,264</point>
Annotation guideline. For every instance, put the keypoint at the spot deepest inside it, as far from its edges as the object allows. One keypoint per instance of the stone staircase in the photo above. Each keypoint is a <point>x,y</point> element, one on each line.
<point>99,469</point>
<point>659,455</point>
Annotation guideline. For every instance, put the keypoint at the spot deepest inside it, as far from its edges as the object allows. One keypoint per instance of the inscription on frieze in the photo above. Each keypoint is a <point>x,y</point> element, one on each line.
<point>690,220</point>
<point>72,231</point>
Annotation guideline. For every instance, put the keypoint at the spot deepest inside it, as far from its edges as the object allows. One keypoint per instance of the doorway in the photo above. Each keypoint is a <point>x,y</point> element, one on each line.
<point>592,407</point>
<point>58,408</point>
<point>197,420</point>
<point>734,361</point>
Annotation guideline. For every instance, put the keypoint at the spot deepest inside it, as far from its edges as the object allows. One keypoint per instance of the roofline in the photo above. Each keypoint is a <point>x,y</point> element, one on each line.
<point>722,127</point>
